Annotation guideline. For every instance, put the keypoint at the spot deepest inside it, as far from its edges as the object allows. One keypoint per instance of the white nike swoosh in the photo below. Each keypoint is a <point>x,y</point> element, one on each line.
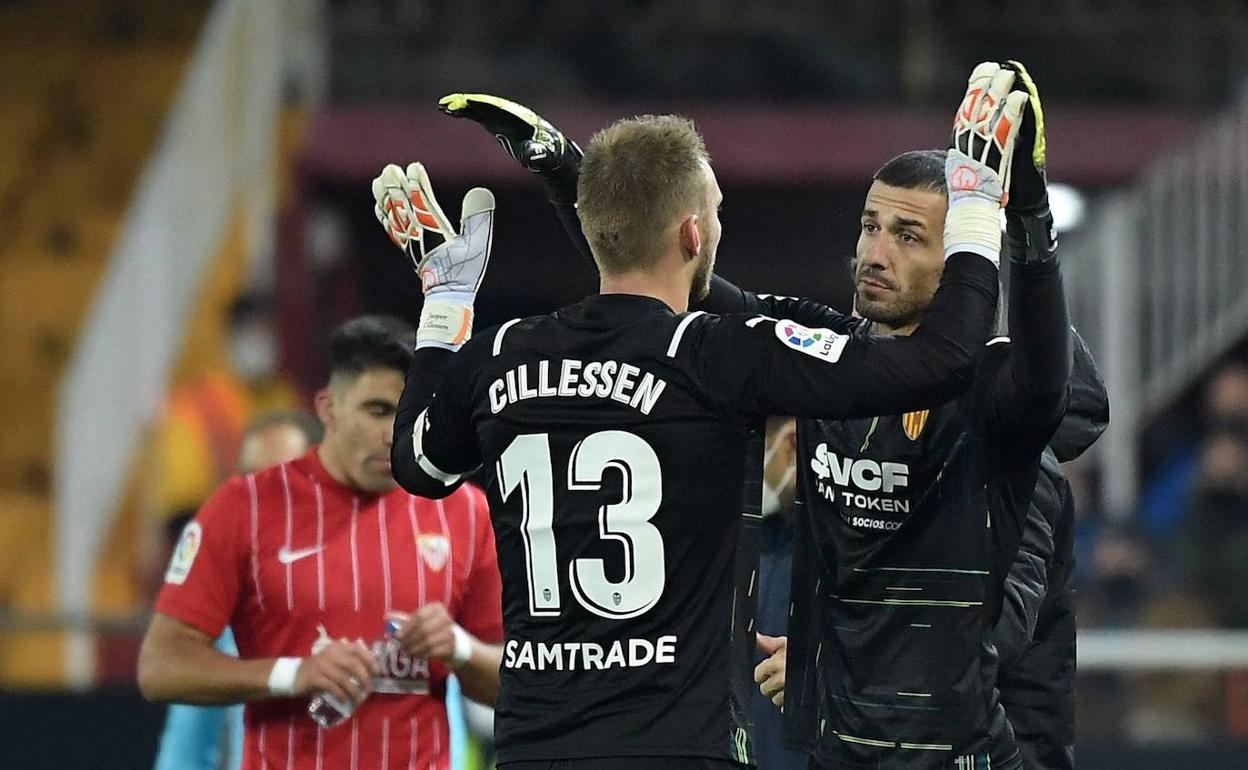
<point>287,556</point>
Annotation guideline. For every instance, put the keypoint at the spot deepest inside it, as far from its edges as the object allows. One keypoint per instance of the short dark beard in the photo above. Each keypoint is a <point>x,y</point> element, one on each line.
<point>894,315</point>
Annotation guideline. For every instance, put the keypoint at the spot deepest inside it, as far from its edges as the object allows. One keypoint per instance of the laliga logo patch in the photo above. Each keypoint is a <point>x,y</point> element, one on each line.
<point>823,344</point>
<point>435,550</point>
<point>799,336</point>
<point>184,554</point>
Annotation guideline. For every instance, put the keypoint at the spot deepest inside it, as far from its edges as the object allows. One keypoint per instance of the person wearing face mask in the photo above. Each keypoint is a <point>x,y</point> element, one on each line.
<point>198,437</point>
<point>1213,537</point>
<point>326,547</point>
<point>775,570</point>
<point>211,737</point>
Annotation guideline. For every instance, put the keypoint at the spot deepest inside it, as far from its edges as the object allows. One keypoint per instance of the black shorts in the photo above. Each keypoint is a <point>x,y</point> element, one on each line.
<point>625,763</point>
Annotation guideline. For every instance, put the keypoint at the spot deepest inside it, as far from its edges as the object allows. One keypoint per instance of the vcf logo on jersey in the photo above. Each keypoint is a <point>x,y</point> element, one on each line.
<point>848,482</point>
<point>823,344</point>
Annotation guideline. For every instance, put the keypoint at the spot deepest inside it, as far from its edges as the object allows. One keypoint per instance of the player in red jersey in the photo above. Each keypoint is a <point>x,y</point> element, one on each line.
<point>304,560</point>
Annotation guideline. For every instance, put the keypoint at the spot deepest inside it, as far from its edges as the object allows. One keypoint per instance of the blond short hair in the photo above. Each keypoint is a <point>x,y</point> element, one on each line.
<point>637,176</point>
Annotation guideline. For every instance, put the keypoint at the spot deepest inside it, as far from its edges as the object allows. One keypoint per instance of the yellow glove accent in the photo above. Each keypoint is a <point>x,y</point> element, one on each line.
<point>1033,95</point>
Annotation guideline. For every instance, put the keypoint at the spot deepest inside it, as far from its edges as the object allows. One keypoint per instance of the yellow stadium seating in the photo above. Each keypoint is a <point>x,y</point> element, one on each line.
<point>85,87</point>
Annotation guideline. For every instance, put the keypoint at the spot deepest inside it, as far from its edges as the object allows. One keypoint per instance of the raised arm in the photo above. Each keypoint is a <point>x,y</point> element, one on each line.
<point>871,376</point>
<point>762,366</point>
<point>1029,395</point>
<point>555,159</point>
<point>434,444</point>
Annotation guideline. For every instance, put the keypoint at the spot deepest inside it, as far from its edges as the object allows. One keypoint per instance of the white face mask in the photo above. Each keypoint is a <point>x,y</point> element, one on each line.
<point>772,503</point>
<point>253,352</point>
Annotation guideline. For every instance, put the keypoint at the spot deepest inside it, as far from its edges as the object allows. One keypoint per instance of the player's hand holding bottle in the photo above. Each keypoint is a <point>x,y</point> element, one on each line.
<point>341,669</point>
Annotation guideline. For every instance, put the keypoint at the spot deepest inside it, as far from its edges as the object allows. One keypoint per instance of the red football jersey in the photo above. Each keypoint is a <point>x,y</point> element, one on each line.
<point>279,554</point>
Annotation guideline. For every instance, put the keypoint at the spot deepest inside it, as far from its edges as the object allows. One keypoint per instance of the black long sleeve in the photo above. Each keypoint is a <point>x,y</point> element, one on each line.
<point>428,369</point>
<point>1029,393</point>
<point>766,366</point>
<point>1040,327</point>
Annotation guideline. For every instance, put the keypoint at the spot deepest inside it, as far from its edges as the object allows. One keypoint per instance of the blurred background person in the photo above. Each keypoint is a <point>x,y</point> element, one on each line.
<point>1213,536</point>
<point>211,737</point>
<point>302,558</point>
<point>200,435</point>
<point>1165,498</point>
<point>1167,707</point>
<point>775,572</point>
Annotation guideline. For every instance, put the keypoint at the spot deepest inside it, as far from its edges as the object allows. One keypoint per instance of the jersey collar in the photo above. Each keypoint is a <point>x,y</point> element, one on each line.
<point>600,310</point>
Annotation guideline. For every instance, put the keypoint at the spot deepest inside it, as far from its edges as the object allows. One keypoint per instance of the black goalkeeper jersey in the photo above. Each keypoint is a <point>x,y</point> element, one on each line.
<point>910,522</point>
<point>907,524</point>
<point>614,436</point>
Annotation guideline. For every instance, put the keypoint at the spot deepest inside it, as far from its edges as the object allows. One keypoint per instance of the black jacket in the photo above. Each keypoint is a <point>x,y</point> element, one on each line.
<point>1035,635</point>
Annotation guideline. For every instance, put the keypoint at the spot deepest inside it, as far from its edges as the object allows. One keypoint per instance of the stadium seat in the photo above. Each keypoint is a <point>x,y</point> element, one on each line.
<point>71,162</point>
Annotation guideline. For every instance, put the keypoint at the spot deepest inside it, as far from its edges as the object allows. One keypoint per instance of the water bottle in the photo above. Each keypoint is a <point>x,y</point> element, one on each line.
<point>326,709</point>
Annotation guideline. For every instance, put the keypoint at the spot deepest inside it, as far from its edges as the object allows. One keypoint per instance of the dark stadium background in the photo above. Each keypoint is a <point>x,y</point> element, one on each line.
<point>800,101</point>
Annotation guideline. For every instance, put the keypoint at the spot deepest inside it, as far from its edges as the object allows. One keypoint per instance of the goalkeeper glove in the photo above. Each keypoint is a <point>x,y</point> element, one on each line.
<point>526,136</point>
<point>1027,192</point>
<point>977,170</point>
<point>451,273</point>
<point>1029,233</point>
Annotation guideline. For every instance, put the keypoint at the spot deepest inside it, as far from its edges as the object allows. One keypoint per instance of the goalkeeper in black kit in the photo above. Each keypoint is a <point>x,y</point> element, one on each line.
<point>908,522</point>
<point>616,437</point>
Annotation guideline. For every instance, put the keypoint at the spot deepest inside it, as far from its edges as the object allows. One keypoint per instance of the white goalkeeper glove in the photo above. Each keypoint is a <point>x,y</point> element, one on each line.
<point>977,170</point>
<point>451,273</point>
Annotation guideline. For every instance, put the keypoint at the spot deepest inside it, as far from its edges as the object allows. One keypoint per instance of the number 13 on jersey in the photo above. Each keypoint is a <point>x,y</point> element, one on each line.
<point>526,466</point>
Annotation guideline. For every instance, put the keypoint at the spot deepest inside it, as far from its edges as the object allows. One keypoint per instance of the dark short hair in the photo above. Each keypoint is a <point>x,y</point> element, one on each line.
<point>371,342</point>
<point>300,419</point>
<point>915,170</point>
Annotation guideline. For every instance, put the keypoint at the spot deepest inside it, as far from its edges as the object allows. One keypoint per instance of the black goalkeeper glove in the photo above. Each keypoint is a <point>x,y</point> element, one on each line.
<point>1028,193</point>
<point>1029,233</point>
<point>526,136</point>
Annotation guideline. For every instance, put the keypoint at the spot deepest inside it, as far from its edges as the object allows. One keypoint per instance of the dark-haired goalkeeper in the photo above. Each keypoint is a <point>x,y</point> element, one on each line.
<point>910,521</point>
<point>616,436</point>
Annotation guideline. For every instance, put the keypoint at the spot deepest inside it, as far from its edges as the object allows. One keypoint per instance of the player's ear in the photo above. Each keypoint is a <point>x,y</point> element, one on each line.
<point>323,402</point>
<point>690,237</point>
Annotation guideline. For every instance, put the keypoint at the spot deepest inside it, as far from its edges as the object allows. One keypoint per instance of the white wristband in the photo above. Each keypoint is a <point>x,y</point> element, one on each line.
<point>463,647</point>
<point>973,223</point>
<point>282,676</point>
<point>445,320</point>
